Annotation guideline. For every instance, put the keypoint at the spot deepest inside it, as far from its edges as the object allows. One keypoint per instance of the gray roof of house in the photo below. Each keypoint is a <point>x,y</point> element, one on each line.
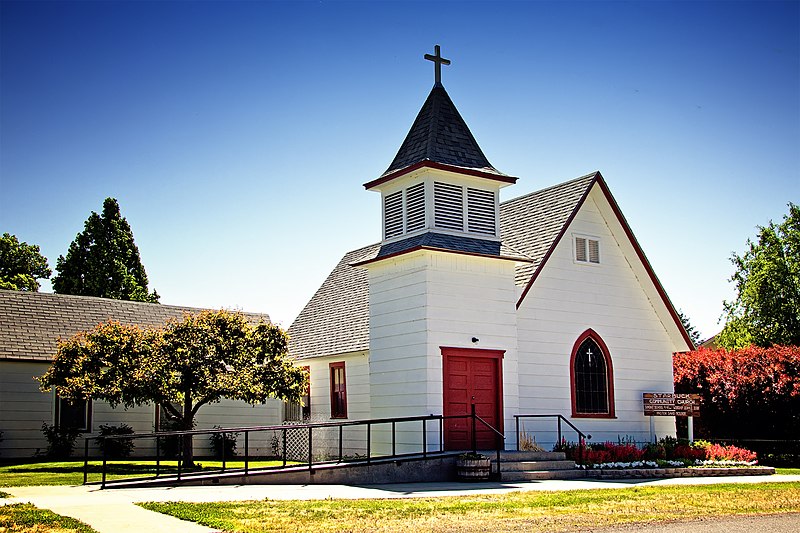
<point>336,319</point>
<point>439,134</point>
<point>32,322</point>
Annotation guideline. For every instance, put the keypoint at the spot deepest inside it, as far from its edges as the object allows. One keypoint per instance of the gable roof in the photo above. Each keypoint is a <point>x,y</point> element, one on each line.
<point>336,319</point>
<point>440,138</point>
<point>532,223</point>
<point>32,322</point>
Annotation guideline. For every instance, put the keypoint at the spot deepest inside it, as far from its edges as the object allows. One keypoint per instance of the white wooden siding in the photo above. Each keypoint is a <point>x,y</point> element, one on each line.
<point>23,409</point>
<point>356,367</point>
<point>619,302</point>
<point>420,302</point>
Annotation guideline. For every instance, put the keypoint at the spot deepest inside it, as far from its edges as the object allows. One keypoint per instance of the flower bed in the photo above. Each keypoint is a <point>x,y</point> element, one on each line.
<point>666,458</point>
<point>678,472</point>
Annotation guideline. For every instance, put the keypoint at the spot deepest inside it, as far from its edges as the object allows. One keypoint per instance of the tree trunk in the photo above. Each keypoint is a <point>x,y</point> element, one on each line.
<point>187,423</point>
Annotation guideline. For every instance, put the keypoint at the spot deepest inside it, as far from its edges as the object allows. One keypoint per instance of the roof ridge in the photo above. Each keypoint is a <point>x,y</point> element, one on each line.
<point>80,297</point>
<point>557,185</point>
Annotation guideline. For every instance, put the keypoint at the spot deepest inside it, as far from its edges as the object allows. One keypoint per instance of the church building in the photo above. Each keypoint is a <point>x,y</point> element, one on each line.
<point>541,305</point>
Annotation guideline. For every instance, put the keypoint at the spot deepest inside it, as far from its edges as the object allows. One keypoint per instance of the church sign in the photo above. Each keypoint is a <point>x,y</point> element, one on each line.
<point>669,404</point>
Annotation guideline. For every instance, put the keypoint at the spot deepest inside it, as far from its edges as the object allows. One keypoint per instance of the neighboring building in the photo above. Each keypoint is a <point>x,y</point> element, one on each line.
<point>544,304</point>
<point>31,324</point>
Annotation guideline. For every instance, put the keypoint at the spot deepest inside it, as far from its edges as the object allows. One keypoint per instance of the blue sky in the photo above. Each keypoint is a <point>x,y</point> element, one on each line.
<point>237,136</point>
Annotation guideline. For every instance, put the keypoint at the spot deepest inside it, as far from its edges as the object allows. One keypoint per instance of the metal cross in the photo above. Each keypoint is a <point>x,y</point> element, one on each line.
<point>438,60</point>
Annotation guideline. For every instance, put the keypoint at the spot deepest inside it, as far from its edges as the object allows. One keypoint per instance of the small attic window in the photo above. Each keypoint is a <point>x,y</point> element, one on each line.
<point>587,249</point>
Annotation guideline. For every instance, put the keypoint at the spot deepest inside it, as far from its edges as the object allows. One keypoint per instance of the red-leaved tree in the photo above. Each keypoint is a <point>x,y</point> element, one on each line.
<point>749,393</point>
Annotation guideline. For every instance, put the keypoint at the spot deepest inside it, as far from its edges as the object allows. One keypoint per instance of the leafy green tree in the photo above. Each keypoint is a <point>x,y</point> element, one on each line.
<point>767,306</point>
<point>189,363</point>
<point>104,261</point>
<point>21,265</point>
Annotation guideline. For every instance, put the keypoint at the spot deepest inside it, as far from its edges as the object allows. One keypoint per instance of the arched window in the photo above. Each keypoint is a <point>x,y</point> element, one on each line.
<point>592,377</point>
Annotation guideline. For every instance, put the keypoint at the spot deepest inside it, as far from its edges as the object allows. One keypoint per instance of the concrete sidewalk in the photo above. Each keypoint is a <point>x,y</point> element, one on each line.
<point>114,510</point>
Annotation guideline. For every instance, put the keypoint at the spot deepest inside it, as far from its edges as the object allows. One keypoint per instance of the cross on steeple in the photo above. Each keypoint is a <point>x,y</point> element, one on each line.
<point>438,60</point>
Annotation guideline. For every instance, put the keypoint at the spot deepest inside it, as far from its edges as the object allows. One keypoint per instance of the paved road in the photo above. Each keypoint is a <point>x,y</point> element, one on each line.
<point>114,510</point>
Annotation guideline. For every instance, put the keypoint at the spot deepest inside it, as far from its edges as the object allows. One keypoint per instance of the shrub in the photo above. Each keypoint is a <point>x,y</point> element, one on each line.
<point>60,441</point>
<point>653,451</point>
<point>115,448</point>
<point>717,452</point>
<point>747,393</point>
<point>223,442</point>
<point>690,453</point>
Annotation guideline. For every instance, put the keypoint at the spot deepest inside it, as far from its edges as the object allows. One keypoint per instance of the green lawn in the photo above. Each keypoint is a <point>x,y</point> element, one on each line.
<point>71,472</point>
<point>788,471</point>
<point>25,518</point>
<point>518,511</point>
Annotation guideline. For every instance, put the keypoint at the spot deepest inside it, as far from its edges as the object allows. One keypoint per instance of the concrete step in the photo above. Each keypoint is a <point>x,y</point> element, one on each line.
<point>543,474</point>
<point>532,466</point>
<point>513,455</point>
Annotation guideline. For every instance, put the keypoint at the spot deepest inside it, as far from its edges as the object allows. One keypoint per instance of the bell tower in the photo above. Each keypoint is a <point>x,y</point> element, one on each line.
<point>442,282</point>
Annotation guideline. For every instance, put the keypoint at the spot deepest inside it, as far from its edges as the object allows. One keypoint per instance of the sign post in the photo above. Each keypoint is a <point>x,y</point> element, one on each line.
<point>671,404</point>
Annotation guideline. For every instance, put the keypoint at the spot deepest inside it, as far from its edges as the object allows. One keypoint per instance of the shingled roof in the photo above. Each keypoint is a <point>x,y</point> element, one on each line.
<point>440,135</point>
<point>32,322</point>
<point>336,319</point>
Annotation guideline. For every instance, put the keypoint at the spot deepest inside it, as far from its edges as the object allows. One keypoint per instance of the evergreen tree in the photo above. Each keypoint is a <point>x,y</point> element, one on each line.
<point>104,261</point>
<point>687,325</point>
<point>21,265</point>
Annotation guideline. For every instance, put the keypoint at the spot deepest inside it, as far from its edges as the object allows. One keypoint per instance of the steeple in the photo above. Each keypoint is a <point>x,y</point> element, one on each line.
<point>440,192</point>
<point>439,138</point>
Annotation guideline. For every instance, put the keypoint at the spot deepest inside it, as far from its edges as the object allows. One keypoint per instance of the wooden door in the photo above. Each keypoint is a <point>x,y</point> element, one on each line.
<point>472,377</point>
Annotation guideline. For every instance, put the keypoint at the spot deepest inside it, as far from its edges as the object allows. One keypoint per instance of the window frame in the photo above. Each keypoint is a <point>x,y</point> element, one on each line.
<point>333,370</point>
<point>586,250</point>
<point>611,412</point>
<point>87,416</point>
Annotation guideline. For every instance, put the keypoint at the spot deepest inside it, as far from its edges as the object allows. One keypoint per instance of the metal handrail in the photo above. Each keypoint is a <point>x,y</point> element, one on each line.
<point>283,428</point>
<point>582,437</point>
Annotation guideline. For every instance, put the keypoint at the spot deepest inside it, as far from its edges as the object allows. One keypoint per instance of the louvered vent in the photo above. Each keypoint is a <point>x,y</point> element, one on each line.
<point>448,201</point>
<point>594,251</point>
<point>415,207</point>
<point>580,249</point>
<point>480,211</point>
<point>587,250</point>
<point>393,215</point>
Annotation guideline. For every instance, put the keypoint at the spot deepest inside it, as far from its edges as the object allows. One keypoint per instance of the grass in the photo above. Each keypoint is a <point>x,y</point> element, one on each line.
<point>788,471</point>
<point>26,518</point>
<point>71,472</point>
<point>518,511</point>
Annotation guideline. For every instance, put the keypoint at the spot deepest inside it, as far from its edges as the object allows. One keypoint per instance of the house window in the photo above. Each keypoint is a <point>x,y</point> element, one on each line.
<point>592,378</point>
<point>74,414</point>
<point>165,420</point>
<point>296,412</point>
<point>587,250</point>
<point>338,391</point>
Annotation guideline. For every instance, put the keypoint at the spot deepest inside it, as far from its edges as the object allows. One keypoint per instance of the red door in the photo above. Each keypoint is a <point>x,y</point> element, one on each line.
<point>472,377</point>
